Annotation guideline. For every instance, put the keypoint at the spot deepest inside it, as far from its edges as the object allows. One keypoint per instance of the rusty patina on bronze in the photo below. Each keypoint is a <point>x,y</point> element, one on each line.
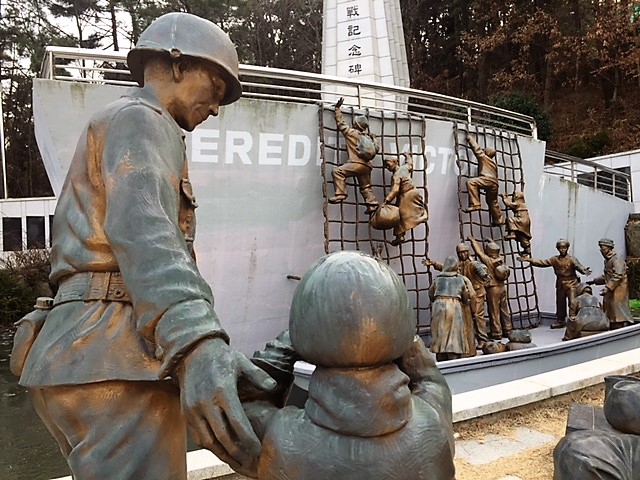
<point>132,350</point>
<point>486,181</point>
<point>566,269</point>
<point>378,406</point>
<point>362,147</point>
<point>518,225</point>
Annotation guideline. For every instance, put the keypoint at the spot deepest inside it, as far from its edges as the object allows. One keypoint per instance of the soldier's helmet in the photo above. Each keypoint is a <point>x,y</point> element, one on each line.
<point>462,247</point>
<point>182,34</point>
<point>351,310</point>
<point>450,264</point>
<point>491,247</point>
<point>606,242</point>
<point>361,122</point>
<point>563,242</point>
<point>583,288</point>
<point>502,272</point>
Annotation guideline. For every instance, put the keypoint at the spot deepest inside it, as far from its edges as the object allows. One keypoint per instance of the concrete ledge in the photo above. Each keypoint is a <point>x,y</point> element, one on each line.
<point>201,465</point>
<point>545,385</point>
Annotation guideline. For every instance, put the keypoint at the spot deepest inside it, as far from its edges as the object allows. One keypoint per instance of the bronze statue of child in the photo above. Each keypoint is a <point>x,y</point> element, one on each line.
<point>378,406</point>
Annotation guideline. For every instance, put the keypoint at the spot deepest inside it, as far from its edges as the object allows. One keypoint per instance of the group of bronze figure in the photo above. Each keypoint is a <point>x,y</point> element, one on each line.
<point>459,293</point>
<point>130,353</point>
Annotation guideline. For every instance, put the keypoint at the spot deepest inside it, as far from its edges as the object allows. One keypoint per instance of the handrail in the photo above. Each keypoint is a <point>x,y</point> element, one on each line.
<point>589,173</point>
<point>87,65</point>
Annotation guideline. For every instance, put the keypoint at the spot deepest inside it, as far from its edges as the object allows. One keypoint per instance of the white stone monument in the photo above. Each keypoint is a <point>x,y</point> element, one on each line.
<point>363,41</point>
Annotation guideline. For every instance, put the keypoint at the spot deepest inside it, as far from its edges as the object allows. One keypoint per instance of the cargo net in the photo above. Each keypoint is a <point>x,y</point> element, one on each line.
<point>521,285</point>
<point>346,225</point>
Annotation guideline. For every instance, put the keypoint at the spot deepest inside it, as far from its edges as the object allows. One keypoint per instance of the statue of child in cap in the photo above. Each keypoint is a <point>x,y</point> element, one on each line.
<point>378,406</point>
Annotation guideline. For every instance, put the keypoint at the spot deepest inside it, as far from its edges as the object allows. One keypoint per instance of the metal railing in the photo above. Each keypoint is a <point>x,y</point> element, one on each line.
<point>109,67</point>
<point>585,172</point>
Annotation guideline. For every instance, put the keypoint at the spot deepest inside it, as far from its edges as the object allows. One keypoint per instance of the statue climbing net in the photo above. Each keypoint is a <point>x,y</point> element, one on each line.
<point>346,225</point>
<point>521,286</point>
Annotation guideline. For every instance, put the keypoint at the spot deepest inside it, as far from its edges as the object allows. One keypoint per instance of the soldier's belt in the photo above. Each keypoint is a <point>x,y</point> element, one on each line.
<point>86,286</point>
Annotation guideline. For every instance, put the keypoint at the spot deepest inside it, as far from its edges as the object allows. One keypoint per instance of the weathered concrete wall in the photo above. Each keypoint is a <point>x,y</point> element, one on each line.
<point>256,175</point>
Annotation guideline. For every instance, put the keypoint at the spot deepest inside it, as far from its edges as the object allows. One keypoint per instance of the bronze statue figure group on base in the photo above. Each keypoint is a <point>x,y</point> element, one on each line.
<point>131,353</point>
<point>476,273</point>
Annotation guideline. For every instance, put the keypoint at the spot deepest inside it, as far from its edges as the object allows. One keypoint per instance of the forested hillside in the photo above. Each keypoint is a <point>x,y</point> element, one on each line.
<point>575,61</point>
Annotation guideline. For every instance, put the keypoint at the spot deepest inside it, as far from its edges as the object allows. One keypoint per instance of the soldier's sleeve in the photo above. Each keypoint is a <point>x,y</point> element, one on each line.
<point>541,263</point>
<point>578,266</point>
<point>340,123</point>
<point>618,272</point>
<point>425,380</point>
<point>481,270</point>
<point>477,151</point>
<point>141,170</point>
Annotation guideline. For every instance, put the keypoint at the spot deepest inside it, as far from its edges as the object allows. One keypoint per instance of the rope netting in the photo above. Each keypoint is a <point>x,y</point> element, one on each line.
<point>521,286</point>
<point>347,224</point>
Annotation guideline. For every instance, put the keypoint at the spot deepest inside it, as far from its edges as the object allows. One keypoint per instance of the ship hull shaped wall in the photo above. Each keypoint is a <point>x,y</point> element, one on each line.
<point>257,177</point>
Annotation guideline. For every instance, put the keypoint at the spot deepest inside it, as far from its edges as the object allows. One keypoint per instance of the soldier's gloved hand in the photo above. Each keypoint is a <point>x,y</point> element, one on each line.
<point>340,102</point>
<point>208,379</point>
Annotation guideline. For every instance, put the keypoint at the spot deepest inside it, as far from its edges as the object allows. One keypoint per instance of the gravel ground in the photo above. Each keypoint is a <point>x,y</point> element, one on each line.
<point>549,417</point>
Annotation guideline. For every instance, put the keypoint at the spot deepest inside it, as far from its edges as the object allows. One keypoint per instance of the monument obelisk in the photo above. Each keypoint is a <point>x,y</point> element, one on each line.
<point>363,40</point>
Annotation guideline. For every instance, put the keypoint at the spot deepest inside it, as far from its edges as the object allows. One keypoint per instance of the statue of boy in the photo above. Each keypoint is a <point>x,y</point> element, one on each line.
<point>500,323</point>
<point>565,267</point>
<point>486,181</point>
<point>362,148</point>
<point>132,350</point>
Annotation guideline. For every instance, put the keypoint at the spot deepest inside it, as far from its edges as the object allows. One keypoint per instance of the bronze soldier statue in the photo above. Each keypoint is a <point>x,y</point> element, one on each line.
<point>408,199</point>
<point>565,267</point>
<point>132,350</point>
<point>486,181</point>
<point>362,147</point>
<point>477,274</point>
<point>616,287</point>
